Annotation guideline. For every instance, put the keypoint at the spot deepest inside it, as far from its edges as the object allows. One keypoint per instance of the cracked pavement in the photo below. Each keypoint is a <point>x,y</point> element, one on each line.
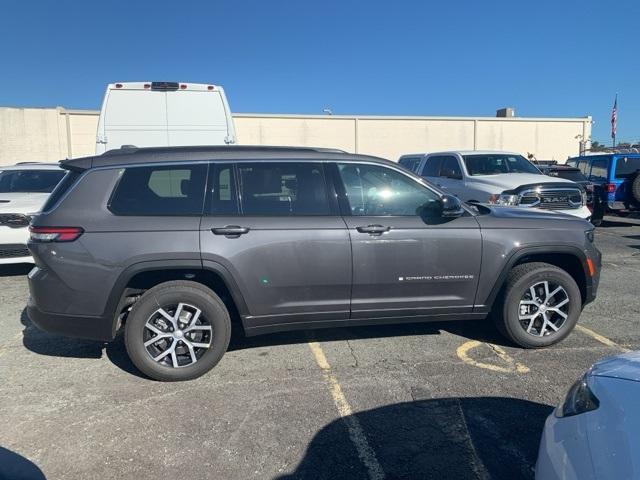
<point>74,409</point>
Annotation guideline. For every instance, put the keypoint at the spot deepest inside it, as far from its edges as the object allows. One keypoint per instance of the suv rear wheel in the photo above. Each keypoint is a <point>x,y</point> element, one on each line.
<point>540,306</point>
<point>178,330</point>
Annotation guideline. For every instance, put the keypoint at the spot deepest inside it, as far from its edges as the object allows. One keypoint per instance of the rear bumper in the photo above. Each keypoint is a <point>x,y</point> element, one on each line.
<point>91,328</point>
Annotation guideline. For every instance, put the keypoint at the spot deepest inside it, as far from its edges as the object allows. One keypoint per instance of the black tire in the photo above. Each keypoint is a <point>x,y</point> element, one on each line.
<point>165,295</point>
<point>635,188</point>
<point>520,279</point>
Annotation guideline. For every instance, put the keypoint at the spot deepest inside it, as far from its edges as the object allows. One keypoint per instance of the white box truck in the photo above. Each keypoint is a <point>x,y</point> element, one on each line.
<point>157,114</point>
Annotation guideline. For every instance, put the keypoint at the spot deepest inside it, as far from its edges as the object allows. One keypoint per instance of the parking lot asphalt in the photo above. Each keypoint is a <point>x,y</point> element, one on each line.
<point>436,400</point>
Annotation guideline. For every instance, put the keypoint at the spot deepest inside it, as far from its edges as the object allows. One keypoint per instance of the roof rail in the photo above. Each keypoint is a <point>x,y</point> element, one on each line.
<point>129,149</point>
<point>630,149</point>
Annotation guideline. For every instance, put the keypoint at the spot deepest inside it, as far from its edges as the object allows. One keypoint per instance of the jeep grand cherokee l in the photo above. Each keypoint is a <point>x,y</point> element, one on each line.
<point>181,244</point>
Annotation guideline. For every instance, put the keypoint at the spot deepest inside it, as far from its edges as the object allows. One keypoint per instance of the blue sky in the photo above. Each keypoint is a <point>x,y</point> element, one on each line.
<point>545,58</point>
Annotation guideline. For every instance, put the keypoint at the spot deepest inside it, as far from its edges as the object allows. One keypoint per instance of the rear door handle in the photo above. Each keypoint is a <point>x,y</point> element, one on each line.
<point>230,230</point>
<point>373,229</point>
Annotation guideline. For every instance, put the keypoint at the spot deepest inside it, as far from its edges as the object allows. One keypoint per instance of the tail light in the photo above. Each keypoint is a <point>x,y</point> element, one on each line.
<point>611,187</point>
<point>55,234</point>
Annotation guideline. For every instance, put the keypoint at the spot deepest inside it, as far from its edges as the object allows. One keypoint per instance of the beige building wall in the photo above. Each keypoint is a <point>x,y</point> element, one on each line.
<point>50,134</point>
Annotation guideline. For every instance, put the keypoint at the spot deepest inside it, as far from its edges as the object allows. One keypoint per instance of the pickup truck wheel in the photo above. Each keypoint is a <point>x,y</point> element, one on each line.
<point>540,306</point>
<point>178,330</point>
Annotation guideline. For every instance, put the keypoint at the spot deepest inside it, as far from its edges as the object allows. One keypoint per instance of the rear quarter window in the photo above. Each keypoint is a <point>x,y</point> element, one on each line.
<point>160,190</point>
<point>627,166</point>
<point>69,179</point>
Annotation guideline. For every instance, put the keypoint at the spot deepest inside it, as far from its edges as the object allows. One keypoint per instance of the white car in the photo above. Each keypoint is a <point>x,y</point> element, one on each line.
<point>500,178</point>
<point>24,188</point>
<point>595,432</point>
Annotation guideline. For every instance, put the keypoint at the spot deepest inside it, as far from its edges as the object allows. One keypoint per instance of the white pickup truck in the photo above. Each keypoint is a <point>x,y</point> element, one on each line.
<point>500,178</point>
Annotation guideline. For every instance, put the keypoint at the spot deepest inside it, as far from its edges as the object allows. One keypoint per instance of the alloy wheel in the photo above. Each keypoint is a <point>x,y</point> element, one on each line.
<point>177,335</point>
<point>544,308</point>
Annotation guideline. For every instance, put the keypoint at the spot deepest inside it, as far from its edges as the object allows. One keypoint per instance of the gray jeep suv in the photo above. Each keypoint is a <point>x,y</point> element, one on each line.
<point>177,245</point>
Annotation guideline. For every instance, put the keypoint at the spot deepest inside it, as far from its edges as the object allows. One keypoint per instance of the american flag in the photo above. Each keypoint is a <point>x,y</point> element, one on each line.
<point>614,118</point>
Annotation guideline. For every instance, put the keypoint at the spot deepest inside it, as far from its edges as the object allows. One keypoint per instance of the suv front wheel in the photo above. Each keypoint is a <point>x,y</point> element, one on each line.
<point>540,305</point>
<point>178,330</point>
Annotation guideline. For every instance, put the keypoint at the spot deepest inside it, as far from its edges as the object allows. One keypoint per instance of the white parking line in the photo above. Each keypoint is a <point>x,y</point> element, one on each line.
<point>356,433</point>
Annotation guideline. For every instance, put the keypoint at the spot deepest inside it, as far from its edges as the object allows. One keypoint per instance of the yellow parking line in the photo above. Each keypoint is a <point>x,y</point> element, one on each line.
<point>513,366</point>
<point>356,433</point>
<point>601,338</point>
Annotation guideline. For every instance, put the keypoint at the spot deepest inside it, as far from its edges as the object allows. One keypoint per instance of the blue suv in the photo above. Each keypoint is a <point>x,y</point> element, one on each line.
<point>617,174</point>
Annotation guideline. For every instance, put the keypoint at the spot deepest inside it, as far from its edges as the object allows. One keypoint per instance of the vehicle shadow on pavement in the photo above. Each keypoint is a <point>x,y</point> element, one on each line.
<point>15,270</point>
<point>461,438</point>
<point>14,466</point>
<point>48,344</point>
<point>44,343</point>
<point>481,330</point>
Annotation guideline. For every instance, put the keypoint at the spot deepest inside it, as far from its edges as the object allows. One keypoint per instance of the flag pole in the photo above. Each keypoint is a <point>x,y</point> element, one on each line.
<point>614,121</point>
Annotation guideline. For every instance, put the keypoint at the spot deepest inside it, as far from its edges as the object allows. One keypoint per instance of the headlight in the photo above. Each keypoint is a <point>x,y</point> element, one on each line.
<point>584,198</point>
<point>579,399</point>
<point>503,199</point>
<point>589,234</point>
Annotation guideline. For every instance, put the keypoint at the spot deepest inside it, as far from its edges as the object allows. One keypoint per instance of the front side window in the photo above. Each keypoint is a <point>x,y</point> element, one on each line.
<point>374,190</point>
<point>29,181</point>
<point>287,188</point>
<point>432,167</point>
<point>495,164</point>
<point>160,190</point>
<point>450,168</point>
<point>599,169</point>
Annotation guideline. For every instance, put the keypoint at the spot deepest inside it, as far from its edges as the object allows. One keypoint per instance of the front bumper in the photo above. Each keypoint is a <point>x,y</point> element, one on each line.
<point>564,450</point>
<point>13,245</point>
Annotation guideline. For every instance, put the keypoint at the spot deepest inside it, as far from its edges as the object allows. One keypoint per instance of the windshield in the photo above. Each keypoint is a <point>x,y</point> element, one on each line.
<point>495,164</point>
<point>14,181</point>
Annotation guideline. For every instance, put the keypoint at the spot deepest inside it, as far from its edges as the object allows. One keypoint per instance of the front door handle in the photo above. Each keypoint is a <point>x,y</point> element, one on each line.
<point>230,230</point>
<point>373,229</point>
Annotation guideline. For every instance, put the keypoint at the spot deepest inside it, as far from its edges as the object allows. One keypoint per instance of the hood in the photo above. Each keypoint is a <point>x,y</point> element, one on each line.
<point>625,366</point>
<point>22,202</point>
<point>509,181</point>
<point>511,213</point>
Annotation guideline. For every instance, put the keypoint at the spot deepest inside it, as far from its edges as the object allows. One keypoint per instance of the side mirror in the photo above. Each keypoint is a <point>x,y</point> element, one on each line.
<point>451,207</point>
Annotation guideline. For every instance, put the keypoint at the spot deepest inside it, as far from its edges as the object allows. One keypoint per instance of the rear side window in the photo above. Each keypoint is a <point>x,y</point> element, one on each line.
<point>599,169</point>
<point>626,167</point>
<point>410,163</point>
<point>283,189</point>
<point>63,187</point>
<point>161,190</point>
<point>432,167</point>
